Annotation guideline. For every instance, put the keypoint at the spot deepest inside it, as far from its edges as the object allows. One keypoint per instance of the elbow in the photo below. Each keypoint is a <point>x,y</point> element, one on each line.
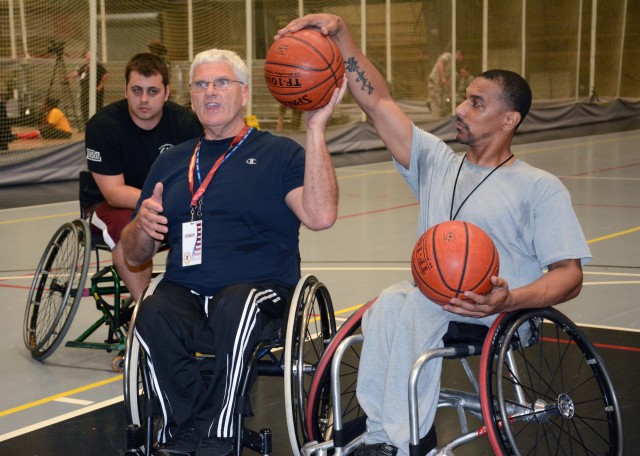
<point>323,222</point>
<point>110,200</point>
<point>575,290</point>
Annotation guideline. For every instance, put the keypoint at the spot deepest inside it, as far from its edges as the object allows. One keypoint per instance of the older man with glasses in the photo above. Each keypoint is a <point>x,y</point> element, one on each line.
<point>230,204</point>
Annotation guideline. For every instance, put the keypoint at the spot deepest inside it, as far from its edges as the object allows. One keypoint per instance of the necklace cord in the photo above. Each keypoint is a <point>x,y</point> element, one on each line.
<point>453,216</point>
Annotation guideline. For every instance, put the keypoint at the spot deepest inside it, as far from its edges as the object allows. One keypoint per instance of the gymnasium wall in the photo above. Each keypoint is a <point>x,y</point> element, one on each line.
<point>574,53</point>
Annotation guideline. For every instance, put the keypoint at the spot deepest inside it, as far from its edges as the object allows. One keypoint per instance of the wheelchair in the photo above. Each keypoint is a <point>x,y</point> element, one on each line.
<point>541,389</point>
<point>59,284</point>
<point>294,354</point>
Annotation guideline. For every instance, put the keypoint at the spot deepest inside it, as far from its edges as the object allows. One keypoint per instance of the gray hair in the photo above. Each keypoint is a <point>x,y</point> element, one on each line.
<point>221,55</point>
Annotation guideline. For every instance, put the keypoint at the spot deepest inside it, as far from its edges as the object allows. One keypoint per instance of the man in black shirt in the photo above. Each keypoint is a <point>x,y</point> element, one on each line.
<point>122,142</point>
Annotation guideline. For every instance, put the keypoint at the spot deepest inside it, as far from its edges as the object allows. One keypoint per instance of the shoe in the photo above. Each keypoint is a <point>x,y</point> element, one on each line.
<point>376,449</point>
<point>184,444</point>
<point>215,446</point>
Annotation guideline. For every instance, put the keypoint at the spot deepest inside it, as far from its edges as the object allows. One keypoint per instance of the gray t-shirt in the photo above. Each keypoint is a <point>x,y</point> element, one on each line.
<point>526,211</point>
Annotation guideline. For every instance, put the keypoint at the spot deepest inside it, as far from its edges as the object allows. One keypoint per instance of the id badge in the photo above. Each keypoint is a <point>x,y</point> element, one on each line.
<point>192,243</point>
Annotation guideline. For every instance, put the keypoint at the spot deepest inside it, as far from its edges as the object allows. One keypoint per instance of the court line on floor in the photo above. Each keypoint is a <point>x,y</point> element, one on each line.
<point>20,208</point>
<point>60,418</point>
<point>613,235</point>
<point>72,392</point>
<point>89,408</point>
<point>40,217</point>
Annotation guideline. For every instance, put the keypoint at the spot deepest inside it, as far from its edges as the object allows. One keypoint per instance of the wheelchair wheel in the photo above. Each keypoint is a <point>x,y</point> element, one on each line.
<point>56,289</point>
<point>319,412</point>
<point>310,327</point>
<point>141,405</point>
<point>545,389</point>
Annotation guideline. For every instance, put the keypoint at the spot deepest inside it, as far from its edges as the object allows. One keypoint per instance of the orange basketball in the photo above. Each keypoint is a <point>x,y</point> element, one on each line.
<point>302,69</point>
<point>453,257</point>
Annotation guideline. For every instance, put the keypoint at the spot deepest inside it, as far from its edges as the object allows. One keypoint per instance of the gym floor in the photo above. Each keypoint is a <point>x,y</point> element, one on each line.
<point>71,404</point>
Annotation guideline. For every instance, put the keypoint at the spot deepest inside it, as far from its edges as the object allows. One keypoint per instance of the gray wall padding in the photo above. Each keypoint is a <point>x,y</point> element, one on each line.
<point>65,162</point>
<point>57,164</point>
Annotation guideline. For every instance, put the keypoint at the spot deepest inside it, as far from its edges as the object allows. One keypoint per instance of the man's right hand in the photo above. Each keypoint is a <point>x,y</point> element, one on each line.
<point>150,217</point>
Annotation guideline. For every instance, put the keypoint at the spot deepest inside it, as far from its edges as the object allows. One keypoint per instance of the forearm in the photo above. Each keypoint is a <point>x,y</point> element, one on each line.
<point>138,246</point>
<point>561,283</point>
<point>366,83</point>
<point>320,191</point>
<point>123,196</point>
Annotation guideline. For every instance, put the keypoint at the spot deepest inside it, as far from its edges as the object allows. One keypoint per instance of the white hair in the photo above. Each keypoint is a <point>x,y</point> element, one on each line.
<point>221,55</point>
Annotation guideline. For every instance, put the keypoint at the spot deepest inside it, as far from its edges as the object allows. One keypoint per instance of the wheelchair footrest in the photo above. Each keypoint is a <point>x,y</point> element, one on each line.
<point>257,441</point>
<point>135,440</point>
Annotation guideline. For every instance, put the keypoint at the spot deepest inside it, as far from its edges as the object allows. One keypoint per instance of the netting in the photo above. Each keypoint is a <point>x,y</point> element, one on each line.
<point>568,50</point>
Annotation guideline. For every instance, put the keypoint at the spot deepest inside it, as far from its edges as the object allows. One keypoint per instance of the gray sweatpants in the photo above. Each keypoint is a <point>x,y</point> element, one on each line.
<point>400,326</point>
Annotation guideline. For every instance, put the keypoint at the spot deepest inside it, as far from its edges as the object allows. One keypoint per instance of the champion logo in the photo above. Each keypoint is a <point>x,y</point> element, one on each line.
<point>252,161</point>
<point>94,155</point>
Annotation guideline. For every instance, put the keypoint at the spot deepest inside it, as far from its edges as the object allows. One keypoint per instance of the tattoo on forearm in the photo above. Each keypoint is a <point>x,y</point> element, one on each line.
<point>351,66</point>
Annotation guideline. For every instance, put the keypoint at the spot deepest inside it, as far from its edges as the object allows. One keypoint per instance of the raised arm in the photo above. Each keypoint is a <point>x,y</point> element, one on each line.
<point>316,202</point>
<point>366,84</point>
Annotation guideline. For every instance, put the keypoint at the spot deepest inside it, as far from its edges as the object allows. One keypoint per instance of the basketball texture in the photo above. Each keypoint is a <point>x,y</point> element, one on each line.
<point>302,69</point>
<point>453,257</point>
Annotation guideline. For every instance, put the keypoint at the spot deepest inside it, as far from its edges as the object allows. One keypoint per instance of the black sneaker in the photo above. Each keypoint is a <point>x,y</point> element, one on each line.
<point>376,449</point>
<point>185,443</point>
<point>215,446</point>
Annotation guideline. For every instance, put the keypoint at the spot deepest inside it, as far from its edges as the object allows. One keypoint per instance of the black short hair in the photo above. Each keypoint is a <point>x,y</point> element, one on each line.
<point>516,93</point>
<point>147,64</point>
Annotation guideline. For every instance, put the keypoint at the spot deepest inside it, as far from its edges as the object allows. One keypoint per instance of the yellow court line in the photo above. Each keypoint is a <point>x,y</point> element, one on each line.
<point>42,217</point>
<point>58,396</point>
<point>609,236</point>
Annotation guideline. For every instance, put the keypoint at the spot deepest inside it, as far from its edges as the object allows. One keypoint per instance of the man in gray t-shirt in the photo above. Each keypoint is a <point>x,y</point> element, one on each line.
<point>525,210</point>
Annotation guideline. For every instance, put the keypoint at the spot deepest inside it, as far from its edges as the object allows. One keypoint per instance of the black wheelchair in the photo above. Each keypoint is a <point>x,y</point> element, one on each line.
<point>294,354</point>
<point>541,388</point>
<point>59,284</point>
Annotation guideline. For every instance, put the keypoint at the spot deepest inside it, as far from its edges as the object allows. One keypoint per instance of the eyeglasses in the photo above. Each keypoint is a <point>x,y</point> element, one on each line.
<point>219,84</point>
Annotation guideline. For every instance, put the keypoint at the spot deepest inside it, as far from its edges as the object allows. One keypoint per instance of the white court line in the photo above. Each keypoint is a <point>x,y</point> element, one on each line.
<point>70,400</point>
<point>627,274</point>
<point>610,328</point>
<point>60,418</point>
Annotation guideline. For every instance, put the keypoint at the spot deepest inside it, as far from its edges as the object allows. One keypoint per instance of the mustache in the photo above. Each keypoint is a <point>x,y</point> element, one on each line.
<point>461,122</point>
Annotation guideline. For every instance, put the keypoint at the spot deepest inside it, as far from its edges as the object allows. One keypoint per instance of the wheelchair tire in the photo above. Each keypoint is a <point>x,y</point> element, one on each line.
<point>57,288</point>
<point>310,326</point>
<point>139,397</point>
<point>319,412</point>
<point>564,402</point>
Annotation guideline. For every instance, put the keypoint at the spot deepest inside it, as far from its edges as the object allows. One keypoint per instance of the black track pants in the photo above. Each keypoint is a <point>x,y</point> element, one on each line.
<point>173,323</point>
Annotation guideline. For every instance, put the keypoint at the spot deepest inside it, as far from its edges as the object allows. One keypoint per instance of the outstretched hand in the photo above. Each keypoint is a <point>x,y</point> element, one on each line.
<point>150,216</point>
<point>328,24</point>
<point>496,301</point>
